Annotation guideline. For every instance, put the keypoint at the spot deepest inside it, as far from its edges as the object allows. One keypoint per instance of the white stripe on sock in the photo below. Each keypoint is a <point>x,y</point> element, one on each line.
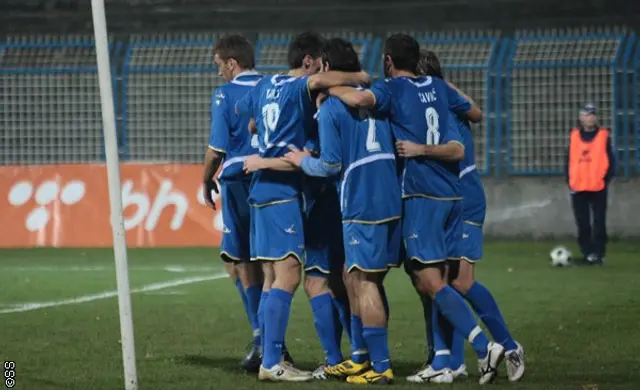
<point>360,352</point>
<point>443,352</point>
<point>475,332</point>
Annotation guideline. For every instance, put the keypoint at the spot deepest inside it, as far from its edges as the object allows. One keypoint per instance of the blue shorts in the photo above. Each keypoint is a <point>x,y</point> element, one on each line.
<point>453,231</point>
<point>277,231</point>
<point>236,221</point>
<point>323,235</point>
<point>431,228</point>
<point>471,243</point>
<point>372,248</point>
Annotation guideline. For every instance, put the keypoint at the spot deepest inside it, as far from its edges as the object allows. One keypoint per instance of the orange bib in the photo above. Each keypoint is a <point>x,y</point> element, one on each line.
<point>588,161</point>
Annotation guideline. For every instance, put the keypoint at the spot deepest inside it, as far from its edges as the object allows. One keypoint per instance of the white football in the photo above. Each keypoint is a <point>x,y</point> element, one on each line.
<point>560,256</point>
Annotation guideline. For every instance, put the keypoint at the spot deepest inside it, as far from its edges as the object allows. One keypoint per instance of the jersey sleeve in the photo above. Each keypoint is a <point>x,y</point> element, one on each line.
<point>457,104</point>
<point>453,132</point>
<point>382,94</point>
<point>220,124</point>
<point>329,132</point>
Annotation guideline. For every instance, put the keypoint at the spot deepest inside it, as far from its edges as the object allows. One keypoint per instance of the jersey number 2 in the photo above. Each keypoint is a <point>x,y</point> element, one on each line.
<point>270,116</point>
<point>372,144</point>
<point>433,126</point>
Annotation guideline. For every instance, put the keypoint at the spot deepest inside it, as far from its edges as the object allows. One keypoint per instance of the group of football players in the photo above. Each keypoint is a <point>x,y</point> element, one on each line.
<point>323,174</point>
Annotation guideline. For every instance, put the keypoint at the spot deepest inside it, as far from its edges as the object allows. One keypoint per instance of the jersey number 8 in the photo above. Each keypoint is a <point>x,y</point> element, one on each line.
<point>270,116</point>
<point>433,126</point>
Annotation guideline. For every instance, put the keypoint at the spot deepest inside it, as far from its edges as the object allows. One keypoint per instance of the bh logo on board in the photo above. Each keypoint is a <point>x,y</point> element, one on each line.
<point>46,193</point>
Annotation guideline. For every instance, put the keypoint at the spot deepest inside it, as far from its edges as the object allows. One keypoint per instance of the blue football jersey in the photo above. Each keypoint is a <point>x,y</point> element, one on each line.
<point>419,110</point>
<point>229,133</point>
<point>362,145</point>
<point>471,188</point>
<point>283,109</point>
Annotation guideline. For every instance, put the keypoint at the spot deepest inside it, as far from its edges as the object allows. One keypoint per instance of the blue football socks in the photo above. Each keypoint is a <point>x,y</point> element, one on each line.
<point>378,346</point>
<point>325,321</point>
<point>359,351</point>
<point>457,351</point>
<point>442,351</point>
<point>455,309</point>
<point>342,314</point>
<point>253,294</point>
<point>261,310</point>
<point>276,316</point>
<point>487,309</point>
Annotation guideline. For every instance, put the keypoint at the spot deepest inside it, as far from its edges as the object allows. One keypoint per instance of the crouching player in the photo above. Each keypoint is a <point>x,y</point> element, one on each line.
<point>358,147</point>
<point>229,145</point>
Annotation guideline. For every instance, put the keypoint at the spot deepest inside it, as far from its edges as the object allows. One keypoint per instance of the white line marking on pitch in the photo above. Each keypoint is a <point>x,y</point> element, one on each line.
<point>18,308</point>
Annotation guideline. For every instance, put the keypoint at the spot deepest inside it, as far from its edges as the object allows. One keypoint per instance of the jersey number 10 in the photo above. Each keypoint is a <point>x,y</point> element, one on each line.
<point>270,116</point>
<point>433,126</point>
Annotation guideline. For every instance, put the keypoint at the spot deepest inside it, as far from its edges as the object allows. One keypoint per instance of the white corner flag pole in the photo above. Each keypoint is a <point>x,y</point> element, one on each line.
<point>115,196</point>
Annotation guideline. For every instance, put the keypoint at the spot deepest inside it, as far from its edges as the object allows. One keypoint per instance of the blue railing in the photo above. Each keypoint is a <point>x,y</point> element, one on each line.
<point>530,87</point>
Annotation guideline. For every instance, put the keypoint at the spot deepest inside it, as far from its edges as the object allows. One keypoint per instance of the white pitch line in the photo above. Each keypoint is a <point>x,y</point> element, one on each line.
<point>18,308</point>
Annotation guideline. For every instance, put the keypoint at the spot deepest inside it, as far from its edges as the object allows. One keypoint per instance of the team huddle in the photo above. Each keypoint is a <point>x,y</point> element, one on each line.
<point>323,174</point>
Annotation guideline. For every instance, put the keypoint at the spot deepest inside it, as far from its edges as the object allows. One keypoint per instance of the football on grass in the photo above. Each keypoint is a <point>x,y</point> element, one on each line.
<point>560,256</point>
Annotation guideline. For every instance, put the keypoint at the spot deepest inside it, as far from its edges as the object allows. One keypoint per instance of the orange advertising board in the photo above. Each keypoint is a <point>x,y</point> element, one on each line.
<point>68,206</point>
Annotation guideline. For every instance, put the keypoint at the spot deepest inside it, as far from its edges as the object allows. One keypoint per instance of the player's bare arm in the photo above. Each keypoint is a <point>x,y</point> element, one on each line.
<point>354,97</point>
<point>255,163</point>
<point>253,128</point>
<point>475,113</point>
<point>452,151</point>
<point>330,79</point>
<point>212,160</point>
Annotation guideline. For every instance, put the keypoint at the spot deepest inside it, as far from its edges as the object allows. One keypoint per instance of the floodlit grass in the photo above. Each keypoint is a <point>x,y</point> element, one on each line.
<point>580,326</point>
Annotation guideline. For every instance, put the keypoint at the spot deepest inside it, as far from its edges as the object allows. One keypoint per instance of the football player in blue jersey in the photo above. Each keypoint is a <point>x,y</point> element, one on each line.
<point>283,108</point>
<point>461,273</point>
<point>229,145</point>
<point>419,111</point>
<point>357,146</point>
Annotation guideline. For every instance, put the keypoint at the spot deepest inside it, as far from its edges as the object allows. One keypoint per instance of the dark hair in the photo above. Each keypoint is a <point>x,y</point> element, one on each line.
<point>305,44</point>
<point>238,48</point>
<point>404,51</point>
<point>429,65</point>
<point>340,55</point>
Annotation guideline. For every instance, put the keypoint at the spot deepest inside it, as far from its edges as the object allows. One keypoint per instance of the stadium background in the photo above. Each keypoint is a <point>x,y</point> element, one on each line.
<point>531,65</point>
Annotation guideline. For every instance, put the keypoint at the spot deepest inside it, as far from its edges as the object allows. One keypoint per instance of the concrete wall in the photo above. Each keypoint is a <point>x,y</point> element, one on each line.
<point>541,208</point>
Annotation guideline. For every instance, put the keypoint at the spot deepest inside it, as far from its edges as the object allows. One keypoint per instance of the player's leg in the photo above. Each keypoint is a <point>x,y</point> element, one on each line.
<point>368,252</point>
<point>427,311</point>
<point>280,241</point>
<point>316,285</point>
<point>426,219</point>
<point>482,301</point>
<point>235,252</point>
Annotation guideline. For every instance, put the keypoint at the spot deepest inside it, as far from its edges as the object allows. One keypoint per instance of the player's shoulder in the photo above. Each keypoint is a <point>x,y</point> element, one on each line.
<point>284,79</point>
<point>332,106</point>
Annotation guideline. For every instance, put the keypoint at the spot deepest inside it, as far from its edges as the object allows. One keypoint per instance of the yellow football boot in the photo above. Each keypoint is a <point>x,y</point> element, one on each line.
<point>372,378</point>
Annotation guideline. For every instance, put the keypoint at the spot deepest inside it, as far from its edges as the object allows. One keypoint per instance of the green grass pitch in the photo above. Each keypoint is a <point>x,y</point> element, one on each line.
<point>580,326</point>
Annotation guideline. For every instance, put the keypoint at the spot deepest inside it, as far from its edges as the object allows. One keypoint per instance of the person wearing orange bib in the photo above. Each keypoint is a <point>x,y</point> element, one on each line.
<point>590,168</point>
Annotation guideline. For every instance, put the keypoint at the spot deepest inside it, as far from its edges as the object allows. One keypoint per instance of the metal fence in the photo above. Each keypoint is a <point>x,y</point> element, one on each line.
<point>530,87</point>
